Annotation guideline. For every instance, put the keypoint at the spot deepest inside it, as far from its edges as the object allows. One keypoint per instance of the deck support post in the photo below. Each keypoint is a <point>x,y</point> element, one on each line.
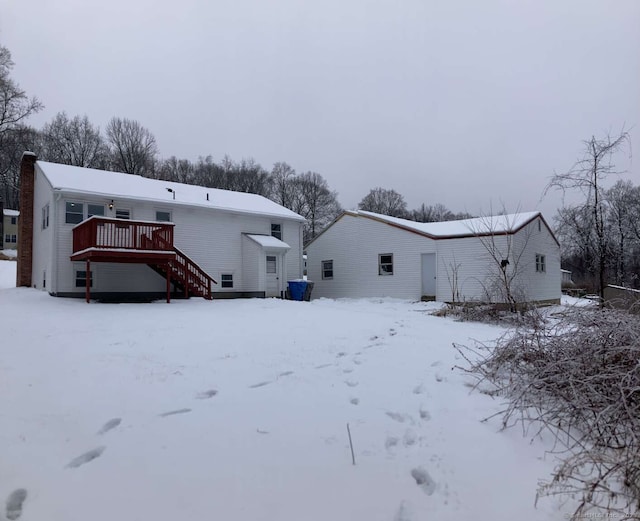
<point>87,290</point>
<point>168,268</point>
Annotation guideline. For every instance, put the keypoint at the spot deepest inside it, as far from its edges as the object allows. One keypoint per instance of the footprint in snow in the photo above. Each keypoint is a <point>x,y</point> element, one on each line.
<point>322,366</point>
<point>436,363</point>
<point>172,413</point>
<point>418,389</point>
<point>86,457</point>
<point>440,378</point>
<point>424,415</point>
<point>341,354</point>
<point>354,401</point>
<point>351,383</point>
<point>204,395</point>
<point>259,384</point>
<point>399,417</point>
<point>424,480</point>
<point>347,370</point>
<point>391,442</point>
<point>14,504</point>
<point>285,373</point>
<point>111,424</point>
<point>410,438</point>
<point>392,332</point>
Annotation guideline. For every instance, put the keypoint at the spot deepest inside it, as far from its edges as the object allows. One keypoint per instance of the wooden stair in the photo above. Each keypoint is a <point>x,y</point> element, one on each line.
<point>186,275</point>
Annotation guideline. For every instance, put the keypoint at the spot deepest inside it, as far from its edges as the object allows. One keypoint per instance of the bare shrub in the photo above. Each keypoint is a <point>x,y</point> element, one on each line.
<point>577,376</point>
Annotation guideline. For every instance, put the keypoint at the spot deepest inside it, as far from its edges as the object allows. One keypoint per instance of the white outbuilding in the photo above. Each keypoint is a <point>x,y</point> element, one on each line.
<point>488,259</point>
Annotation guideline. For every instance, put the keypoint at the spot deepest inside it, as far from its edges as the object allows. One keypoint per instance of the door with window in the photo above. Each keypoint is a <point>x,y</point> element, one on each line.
<point>273,276</point>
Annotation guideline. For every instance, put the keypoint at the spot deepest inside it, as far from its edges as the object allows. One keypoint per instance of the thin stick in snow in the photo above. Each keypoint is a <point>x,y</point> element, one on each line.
<point>353,457</point>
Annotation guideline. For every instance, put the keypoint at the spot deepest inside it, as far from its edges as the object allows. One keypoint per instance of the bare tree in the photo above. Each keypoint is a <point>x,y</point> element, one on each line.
<point>15,105</point>
<point>73,142</point>
<point>133,147</point>
<point>283,179</point>
<point>587,176</point>
<point>386,202</point>
<point>177,170</point>
<point>315,202</point>
<point>506,256</point>
<point>12,145</point>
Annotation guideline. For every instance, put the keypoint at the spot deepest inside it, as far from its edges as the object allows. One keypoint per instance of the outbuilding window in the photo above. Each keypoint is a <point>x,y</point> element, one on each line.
<point>327,269</point>
<point>123,213</point>
<point>385,264</point>
<point>541,263</point>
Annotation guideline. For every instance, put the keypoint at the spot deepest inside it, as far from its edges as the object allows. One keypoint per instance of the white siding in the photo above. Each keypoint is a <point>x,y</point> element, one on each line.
<point>42,238</point>
<point>354,243</point>
<point>212,238</point>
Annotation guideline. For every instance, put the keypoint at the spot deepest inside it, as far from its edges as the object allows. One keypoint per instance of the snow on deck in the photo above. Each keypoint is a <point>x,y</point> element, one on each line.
<point>205,410</point>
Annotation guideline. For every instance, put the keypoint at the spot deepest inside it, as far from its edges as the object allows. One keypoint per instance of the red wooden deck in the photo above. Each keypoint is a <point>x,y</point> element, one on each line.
<point>100,239</point>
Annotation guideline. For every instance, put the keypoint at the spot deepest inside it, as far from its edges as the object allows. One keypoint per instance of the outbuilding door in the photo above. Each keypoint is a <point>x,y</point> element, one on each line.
<point>273,276</point>
<point>429,274</point>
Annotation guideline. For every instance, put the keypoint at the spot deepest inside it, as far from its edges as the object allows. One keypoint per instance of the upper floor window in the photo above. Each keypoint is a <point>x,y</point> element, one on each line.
<point>14,220</point>
<point>74,213</point>
<point>45,217</point>
<point>163,216</point>
<point>385,264</point>
<point>95,209</point>
<point>276,231</point>
<point>541,263</point>
<point>122,213</point>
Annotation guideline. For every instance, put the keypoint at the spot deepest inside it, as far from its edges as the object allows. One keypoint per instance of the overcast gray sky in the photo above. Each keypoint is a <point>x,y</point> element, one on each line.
<point>462,102</point>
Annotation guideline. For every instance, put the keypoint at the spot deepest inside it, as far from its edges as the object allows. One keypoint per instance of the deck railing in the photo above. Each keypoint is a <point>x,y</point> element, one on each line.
<point>105,233</point>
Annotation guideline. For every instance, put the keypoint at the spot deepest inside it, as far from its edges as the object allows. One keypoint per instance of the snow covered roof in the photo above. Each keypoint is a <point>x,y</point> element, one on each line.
<point>269,242</point>
<point>492,224</point>
<point>73,179</point>
<point>462,228</point>
<point>11,213</point>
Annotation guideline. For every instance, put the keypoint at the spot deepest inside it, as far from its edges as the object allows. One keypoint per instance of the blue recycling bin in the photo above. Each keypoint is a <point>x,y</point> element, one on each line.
<point>297,289</point>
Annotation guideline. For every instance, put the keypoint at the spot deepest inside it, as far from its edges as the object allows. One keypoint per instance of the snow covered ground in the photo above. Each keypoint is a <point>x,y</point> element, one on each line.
<point>238,410</point>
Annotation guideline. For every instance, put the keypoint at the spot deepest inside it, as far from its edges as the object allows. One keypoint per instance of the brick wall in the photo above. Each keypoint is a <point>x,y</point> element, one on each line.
<point>25,221</point>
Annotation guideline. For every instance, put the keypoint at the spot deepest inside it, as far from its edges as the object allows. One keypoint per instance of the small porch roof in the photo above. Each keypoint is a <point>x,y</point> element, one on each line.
<point>269,243</point>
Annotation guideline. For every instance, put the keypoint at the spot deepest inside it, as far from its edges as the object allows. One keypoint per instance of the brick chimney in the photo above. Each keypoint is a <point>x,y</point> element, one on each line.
<point>25,220</point>
<point>1,222</point>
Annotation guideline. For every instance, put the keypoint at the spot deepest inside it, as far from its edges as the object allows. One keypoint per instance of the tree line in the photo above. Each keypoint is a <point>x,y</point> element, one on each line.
<point>127,146</point>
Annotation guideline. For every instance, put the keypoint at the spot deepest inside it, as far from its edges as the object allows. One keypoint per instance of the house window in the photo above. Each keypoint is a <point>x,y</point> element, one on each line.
<point>122,213</point>
<point>7,238</point>
<point>81,279</point>
<point>14,220</point>
<point>541,264</point>
<point>385,264</point>
<point>74,213</point>
<point>226,280</point>
<point>327,269</point>
<point>95,209</point>
<point>539,225</point>
<point>163,216</point>
<point>45,217</point>
<point>44,279</point>
<point>14,238</point>
<point>276,231</point>
<point>271,264</point>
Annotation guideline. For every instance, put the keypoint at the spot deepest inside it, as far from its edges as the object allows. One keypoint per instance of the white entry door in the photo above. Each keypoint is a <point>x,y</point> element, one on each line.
<point>273,276</point>
<point>429,274</point>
